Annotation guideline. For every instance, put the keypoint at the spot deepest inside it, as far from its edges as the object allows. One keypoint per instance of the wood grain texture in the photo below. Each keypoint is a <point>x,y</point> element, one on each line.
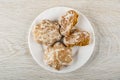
<point>16,62</point>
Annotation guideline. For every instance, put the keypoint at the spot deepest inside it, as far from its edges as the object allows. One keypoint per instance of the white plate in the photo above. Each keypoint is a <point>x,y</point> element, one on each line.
<point>81,54</point>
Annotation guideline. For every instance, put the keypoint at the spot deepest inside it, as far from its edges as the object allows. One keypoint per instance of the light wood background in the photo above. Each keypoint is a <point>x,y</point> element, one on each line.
<point>16,62</point>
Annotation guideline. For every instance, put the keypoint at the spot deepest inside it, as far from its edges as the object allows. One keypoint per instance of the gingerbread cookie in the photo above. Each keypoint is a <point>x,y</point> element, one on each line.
<point>77,38</point>
<point>46,32</point>
<point>68,21</point>
<point>58,56</point>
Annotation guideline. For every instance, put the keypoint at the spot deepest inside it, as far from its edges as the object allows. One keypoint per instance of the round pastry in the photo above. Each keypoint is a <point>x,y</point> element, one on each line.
<point>58,56</point>
<point>68,21</point>
<point>77,38</point>
<point>46,32</point>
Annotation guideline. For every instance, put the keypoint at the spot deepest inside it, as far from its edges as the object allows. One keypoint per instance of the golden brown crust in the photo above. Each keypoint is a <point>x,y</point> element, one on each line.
<point>68,21</point>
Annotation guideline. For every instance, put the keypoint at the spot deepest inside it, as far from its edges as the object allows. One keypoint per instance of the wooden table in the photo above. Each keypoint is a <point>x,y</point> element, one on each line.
<point>16,62</point>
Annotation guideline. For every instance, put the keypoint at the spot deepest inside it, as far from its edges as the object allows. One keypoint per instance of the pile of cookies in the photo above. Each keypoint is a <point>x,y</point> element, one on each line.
<point>59,37</point>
